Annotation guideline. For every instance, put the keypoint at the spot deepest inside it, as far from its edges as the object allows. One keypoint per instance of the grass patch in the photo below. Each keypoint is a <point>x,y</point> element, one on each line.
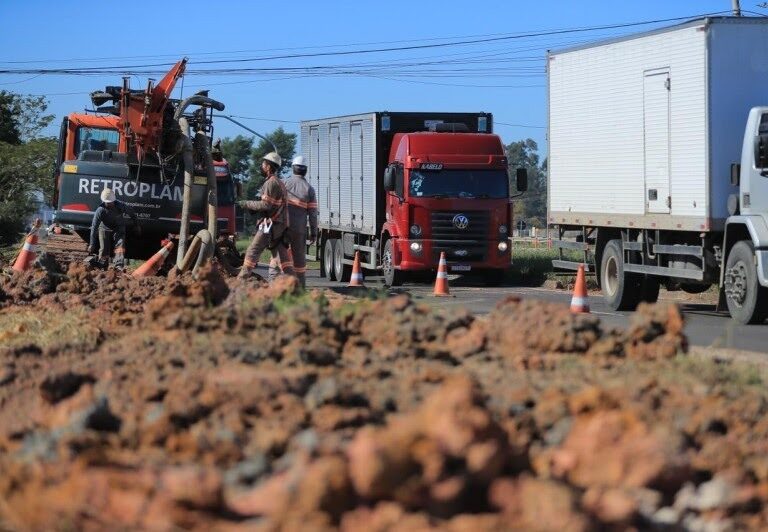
<point>533,266</point>
<point>7,253</point>
<point>21,328</point>
<point>289,302</point>
<point>714,371</point>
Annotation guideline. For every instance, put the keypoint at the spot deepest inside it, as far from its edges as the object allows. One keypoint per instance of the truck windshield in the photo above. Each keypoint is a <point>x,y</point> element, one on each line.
<point>95,138</point>
<point>459,184</point>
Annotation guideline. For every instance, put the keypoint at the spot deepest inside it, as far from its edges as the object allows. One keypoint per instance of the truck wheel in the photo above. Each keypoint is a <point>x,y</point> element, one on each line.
<point>392,277</point>
<point>621,290</point>
<point>649,289</point>
<point>328,255</point>
<point>342,271</point>
<point>745,297</point>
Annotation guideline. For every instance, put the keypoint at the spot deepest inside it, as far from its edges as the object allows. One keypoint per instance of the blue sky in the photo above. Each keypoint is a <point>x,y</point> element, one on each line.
<point>505,77</point>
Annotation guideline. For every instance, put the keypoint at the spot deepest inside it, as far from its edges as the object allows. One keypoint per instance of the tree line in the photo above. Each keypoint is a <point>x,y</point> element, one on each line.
<point>26,161</point>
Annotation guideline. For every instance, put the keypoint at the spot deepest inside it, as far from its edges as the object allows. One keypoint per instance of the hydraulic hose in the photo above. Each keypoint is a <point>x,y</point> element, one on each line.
<point>189,169</point>
<point>200,250</point>
<point>197,99</point>
<point>202,145</point>
<point>206,249</point>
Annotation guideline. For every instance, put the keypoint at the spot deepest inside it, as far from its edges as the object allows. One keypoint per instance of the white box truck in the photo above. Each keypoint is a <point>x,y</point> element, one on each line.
<point>658,161</point>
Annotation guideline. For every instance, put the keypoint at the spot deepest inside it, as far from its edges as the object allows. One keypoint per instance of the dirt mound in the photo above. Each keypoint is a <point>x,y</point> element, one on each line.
<point>209,403</point>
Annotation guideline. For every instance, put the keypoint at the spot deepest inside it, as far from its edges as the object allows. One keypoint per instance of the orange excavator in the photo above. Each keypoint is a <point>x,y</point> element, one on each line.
<point>157,157</point>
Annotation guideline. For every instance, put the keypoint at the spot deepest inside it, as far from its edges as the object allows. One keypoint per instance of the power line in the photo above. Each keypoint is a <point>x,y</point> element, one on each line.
<point>84,70</point>
<point>519,125</point>
<point>266,119</point>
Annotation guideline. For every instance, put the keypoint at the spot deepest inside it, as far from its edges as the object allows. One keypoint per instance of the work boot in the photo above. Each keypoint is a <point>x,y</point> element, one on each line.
<point>274,270</point>
<point>119,262</point>
<point>245,273</point>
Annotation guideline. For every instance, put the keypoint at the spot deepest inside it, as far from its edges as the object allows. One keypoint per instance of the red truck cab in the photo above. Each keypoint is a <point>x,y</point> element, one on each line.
<point>226,195</point>
<point>447,192</point>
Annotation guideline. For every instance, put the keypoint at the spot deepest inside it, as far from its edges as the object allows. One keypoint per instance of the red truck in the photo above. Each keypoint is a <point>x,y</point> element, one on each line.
<point>402,187</point>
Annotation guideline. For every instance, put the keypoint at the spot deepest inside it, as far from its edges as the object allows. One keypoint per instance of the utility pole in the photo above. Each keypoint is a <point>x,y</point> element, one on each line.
<point>736,8</point>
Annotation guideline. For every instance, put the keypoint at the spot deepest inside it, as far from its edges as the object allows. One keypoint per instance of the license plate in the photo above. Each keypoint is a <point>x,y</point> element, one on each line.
<point>461,268</point>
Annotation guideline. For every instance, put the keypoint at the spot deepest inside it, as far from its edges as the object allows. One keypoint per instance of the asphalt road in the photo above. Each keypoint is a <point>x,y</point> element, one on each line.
<point>704,326</point>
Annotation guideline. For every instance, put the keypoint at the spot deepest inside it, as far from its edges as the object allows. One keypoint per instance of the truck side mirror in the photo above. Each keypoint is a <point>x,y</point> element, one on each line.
<point>761,151</point>
<point>389,178</point>
<point>735,174</point>
<point>521,177</point>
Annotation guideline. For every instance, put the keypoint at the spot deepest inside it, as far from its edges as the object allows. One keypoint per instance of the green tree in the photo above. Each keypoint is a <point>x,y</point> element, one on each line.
<point>237,152</point>
<point>26,160</point>
<point>286,148</point>
<point>532,205</point>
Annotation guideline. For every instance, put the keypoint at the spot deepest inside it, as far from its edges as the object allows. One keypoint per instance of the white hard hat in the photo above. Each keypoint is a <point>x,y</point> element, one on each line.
<point>273,157</point>
<point>107,195</point>
<point>299,161</point>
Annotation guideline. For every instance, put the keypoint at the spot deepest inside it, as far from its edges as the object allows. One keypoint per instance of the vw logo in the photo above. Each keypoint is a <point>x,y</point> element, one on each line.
<point>460,221</point>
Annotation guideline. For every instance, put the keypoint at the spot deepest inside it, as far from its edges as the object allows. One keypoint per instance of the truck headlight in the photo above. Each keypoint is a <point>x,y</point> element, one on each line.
<point>415,230</point>
<point>503,246</point>
<point>503,229</point>
<point>416,247</point>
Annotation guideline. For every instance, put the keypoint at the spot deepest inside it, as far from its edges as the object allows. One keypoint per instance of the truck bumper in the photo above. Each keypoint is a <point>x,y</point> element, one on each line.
<point>424,254</point>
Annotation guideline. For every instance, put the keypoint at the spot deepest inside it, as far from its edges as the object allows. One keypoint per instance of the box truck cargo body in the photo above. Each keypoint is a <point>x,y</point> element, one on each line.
<point>642,134</point>
<point>401,187</point>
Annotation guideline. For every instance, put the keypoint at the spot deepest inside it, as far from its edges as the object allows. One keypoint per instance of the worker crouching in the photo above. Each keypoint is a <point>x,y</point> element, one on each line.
<point>108,225</point>
<point>272,221</point>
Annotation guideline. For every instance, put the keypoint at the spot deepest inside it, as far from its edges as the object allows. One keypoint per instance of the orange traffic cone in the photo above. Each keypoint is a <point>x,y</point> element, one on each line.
<point>441,282</point>
<point>356,279</point>
<point>579,302</point>
<point>152,266</point>
<point>28,254</point>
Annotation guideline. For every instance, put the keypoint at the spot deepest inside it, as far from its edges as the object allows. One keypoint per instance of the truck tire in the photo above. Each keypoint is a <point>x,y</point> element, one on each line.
<point>649,289</point>
<point>746,299</point>
<point>622,291</point>
<point>342,272</point>
<point>392,276</point>
<point>328,259</point>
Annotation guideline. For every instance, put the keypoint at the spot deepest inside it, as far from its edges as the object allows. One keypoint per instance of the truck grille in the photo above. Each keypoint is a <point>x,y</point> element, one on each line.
<point>467,244</point>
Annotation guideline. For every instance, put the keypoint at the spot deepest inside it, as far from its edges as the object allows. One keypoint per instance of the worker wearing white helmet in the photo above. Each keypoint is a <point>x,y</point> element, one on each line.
<point>302,210</point>
<point>272,220</point>
<point>108,224</point>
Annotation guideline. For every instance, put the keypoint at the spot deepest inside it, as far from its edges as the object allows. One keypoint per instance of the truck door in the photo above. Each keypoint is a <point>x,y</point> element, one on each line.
<point>656,96</point>
<point>754,193</point>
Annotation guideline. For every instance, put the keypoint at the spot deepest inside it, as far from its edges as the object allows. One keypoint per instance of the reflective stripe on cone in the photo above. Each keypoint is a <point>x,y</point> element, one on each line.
<point>356,279</point>
<point>580,302</point>
<point>441,282</point>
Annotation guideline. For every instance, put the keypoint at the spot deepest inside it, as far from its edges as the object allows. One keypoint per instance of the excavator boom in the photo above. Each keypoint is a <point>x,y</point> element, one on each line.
<point>142,113</point>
